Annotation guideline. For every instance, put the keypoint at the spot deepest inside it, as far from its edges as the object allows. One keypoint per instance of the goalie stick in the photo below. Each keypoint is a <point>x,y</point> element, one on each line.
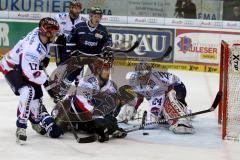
<point>135,45</point>
<point>167,53</point>
<point>212,108</point>
<point>87,139</point>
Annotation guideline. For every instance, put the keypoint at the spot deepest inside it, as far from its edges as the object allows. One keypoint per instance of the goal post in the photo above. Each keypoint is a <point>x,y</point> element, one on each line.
<point>229,107</point>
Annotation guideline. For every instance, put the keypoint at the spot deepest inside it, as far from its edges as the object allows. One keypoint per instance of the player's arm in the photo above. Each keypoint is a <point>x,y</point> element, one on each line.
<point>71,44</point>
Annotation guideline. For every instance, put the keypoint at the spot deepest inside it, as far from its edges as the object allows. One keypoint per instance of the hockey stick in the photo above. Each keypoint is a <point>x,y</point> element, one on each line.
<point>135,45</point>
<point>167,53</point>
<point>87,139</point>
<point>212,108</point>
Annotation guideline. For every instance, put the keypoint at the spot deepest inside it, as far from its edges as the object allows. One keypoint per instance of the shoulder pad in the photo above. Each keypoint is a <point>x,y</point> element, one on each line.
<point>62,16</point>
<point>114,84</point>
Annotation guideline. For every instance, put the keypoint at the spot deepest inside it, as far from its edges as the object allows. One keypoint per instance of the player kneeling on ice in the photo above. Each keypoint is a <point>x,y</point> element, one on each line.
<point>22,70</point>
<point>165,94</point>
<point>91,109</point>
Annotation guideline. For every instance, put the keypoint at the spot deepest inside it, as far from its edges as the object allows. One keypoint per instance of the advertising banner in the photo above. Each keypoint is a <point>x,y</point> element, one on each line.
<point>153,41</point>
<point>201,45</point>
<point>11,32</point>
<point>197,46</point>
<point>204,9</point>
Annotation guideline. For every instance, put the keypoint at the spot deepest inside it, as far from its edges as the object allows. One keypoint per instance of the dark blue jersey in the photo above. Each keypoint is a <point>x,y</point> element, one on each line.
<point>87,39</point>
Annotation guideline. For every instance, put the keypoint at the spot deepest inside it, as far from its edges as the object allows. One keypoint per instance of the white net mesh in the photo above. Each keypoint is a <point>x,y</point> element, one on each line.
<point>233,97</point>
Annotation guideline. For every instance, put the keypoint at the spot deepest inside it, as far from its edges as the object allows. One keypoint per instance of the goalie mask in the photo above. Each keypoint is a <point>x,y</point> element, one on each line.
<point>143,72</point>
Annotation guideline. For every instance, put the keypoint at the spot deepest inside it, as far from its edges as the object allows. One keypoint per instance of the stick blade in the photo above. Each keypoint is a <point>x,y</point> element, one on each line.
<point>87,139</point>
<point>216,100</point>
<point>168,51</point>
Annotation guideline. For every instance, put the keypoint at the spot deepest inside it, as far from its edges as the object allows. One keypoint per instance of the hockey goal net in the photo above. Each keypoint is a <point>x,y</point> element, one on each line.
<point>229,108</point>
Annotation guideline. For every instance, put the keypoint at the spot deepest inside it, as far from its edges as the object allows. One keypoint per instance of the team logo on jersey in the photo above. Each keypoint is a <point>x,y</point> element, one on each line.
<point>98,35</point>
<point>31,58</point>
<point>88,43</point>
<point>81,33</point>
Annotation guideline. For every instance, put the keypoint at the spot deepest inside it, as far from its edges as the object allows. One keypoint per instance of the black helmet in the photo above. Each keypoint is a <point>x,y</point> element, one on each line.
<point>76,3</point>
<point>48,26</point>
<point>96,10</point>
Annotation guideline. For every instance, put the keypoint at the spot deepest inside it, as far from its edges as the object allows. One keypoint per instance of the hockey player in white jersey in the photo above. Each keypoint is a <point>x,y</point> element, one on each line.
<point>85,104</point>
<point>67,21</point>
<point>22,69</point>
<point>165,94</point>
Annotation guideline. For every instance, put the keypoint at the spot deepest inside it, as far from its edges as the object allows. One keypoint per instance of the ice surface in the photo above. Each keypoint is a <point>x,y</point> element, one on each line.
<point>205,144</point>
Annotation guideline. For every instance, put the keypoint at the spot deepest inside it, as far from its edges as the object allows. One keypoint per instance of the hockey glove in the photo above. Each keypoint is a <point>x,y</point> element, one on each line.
<point>51,93</point>
<point>44,63</point>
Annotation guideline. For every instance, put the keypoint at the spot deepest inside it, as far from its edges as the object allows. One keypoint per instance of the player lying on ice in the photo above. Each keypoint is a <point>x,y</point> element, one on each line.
<point>165,94</point>
<point>22,70</point>
<point>91,108</point>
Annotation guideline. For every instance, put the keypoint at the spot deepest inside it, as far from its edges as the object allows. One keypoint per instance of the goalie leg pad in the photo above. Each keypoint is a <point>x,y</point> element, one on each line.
<point>174,108</point>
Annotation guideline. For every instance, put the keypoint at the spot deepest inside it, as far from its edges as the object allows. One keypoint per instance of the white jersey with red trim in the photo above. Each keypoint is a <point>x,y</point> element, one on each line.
<point>28,54</point>
<point>156,87</point>
<point>87,87</point>
<point>66,24</point>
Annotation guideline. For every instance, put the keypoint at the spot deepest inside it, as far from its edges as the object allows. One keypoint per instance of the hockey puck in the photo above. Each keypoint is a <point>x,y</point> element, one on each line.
<point>145,133</point>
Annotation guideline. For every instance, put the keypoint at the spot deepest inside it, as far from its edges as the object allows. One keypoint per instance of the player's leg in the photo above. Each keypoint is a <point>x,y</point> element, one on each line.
<point>113,128</point>
<point>26,94</point>
<point>181,93</point>
<point>45,121</point>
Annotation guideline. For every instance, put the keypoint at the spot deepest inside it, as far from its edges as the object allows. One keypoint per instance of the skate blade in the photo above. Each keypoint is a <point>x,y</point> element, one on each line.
<point>21,140</point>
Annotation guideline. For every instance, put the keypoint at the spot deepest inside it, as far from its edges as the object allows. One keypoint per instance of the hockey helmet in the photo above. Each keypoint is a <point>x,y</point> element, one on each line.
<point>96,10</point>
<point>99,65</point>
<point>143,68</point>
<point>143,71</point>
<point>48,27</point>
<point>76,3</point>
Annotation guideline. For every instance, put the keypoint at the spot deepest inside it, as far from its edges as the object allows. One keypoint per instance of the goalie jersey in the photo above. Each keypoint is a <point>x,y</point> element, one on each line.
<point>158,84</point>
<point>27,54</point>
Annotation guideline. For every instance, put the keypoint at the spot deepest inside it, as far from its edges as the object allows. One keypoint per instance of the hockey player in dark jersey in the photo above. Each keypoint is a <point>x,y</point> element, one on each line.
<point>90,38</point>
<point>67,21</point>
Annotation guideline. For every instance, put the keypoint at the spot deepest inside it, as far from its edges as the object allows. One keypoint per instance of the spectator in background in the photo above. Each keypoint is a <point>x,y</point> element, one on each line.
<point>178,10</point>
<point>185,9</point>
<point>235,15</point>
